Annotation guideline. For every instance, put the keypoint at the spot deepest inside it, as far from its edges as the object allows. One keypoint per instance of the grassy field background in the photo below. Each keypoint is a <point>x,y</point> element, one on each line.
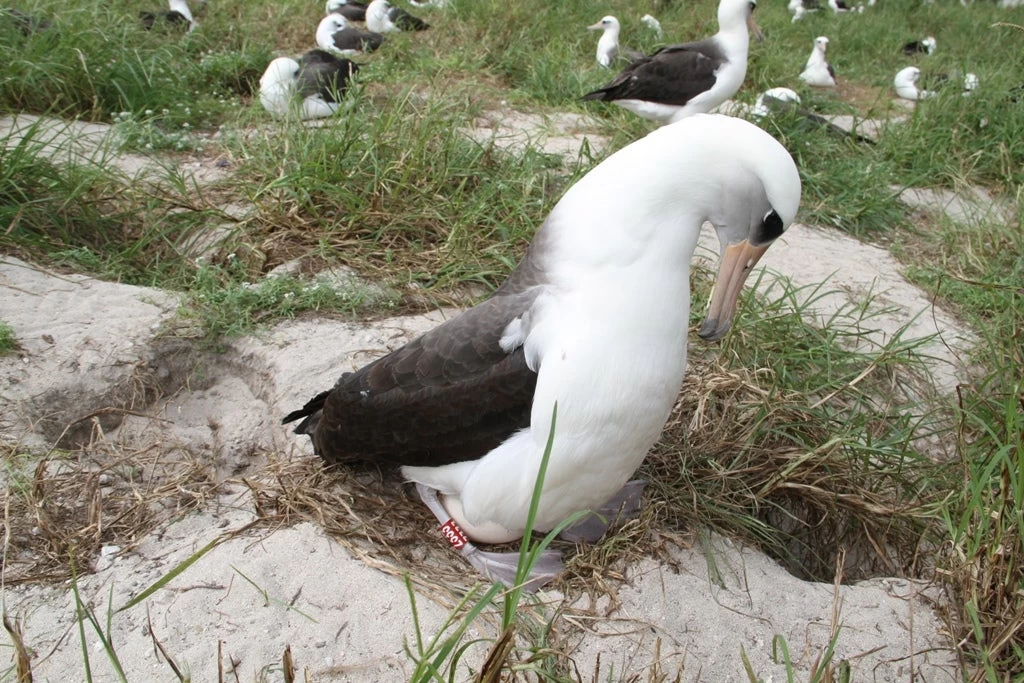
<point>392,189</point>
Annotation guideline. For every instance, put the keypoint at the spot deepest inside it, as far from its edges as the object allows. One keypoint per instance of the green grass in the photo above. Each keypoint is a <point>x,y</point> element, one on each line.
<point>8,342</point>
<point>393,191</point>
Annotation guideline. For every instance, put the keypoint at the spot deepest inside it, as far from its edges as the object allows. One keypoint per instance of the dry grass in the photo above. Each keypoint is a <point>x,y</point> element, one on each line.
<point>60,510</point>
<point>763,464</point>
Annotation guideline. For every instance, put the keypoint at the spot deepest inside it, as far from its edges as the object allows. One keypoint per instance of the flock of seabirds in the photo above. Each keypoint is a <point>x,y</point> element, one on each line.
<point>581,352</point>
<point>670,84</point>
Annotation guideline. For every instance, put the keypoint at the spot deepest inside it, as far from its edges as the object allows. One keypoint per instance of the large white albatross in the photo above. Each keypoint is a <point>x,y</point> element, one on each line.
<point>689,78</point>
<point>594,318</point>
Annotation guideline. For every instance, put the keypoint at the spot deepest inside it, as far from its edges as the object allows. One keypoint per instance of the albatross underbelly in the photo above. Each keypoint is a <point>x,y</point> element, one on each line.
<point>614,391</point>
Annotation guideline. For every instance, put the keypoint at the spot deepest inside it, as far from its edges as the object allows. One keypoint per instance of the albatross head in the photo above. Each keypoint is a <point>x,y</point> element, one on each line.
<point>607,24</point>
<point>280,71</point>
<point>906,80</point>
<point>733,14</point>
<point>751,197</point>
<point>638,214</point>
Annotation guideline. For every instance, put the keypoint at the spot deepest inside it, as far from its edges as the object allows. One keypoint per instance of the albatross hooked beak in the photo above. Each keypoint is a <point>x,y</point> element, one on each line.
<point>755,29</point>
<point>736,263</point>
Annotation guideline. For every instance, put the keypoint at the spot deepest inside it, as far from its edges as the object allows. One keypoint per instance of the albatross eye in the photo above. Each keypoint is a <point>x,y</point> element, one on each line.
<point>771,228</point>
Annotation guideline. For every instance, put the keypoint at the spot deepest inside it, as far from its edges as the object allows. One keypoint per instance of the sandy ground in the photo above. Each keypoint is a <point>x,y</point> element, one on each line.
<point>88,345</point>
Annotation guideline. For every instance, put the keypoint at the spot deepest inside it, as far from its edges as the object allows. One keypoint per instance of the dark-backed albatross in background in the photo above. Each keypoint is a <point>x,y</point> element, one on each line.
<point>334,34</point>
<point>320,79</point>
<point>594,318</point>
<point>381,17</point>
<point>350,9</point>
<point>689,78</point>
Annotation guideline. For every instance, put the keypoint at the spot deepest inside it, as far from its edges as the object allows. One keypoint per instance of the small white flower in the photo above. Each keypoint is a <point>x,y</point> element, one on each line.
<point>149,112</point>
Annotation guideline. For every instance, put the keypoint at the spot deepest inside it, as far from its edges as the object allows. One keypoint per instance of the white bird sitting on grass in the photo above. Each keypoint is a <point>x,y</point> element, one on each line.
<point>320,80</point>
<point>905,84</point>
<point>818,72</point>
<point>334,34</point>
<point>381,17</point>
<point>593,320</point>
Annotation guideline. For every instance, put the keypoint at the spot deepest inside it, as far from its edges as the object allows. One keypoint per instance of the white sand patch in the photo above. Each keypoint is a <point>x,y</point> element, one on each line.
<point>81,340</point>
<point>80,142</point>
<point>564,134</point>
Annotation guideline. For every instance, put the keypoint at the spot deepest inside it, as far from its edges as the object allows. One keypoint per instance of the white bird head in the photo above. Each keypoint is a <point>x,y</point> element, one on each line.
<point>971,83</point>
<point>333,5</point>
<point>277,86</point>
<point>377,18</point>
<point>706,167</point>
<point>821,44</point>
<point>905,84</point>
<point>608,24</point>
<point>282,70</point>
<point>906,77</point>
<point>929,44</point>
<point>326,29</point>
<point>735,13</point>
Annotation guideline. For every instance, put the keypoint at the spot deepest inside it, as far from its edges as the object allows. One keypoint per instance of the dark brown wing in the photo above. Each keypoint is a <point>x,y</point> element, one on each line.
<point>673,75</point>
<point>354,39</point>
<point>353,11</point>
<point>405,21</point>
<point>321,73</point>
<point>451,395</point>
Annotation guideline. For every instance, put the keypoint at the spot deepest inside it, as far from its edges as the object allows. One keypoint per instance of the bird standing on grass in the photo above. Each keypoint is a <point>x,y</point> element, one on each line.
<point>690,78</point>
<point>594,319</point>
<point>818,72</point>
<point>608,43</point>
